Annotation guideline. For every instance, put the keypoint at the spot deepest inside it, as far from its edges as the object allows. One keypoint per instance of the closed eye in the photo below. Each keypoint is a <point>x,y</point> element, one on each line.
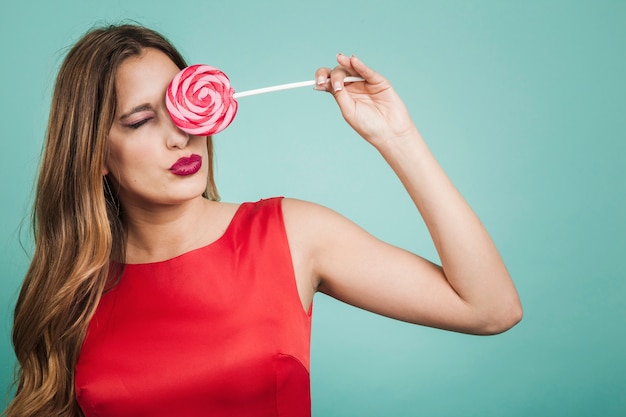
<point>138,124</point>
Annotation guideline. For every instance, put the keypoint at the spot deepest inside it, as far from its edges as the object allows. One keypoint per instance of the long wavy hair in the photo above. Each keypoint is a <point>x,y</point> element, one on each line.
<point>79,233</point>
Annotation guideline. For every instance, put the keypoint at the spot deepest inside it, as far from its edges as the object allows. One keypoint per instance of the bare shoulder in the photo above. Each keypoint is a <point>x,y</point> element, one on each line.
<point>320,235</point>
<point>294,208</point>
<point>305,219</point>
<point>299,217</point>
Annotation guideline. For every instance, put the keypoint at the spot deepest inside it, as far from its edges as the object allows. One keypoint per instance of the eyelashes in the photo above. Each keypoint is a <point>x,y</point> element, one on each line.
<point>138,124</point>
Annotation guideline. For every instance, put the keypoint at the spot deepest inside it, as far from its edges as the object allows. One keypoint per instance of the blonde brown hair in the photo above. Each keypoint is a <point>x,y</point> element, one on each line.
<point>77,226</point>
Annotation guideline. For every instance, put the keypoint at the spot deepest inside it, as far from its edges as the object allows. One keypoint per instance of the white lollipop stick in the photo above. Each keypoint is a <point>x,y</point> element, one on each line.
<point>289,86</point>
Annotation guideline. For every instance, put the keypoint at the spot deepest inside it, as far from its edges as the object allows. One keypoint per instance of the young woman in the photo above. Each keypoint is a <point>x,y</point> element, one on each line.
<point>148,296</point>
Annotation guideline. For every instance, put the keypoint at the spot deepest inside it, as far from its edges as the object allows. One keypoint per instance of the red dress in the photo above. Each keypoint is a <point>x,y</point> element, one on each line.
<point>217,331</point>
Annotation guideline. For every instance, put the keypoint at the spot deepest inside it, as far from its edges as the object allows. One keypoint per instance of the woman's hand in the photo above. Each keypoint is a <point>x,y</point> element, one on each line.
<point>371,107</point>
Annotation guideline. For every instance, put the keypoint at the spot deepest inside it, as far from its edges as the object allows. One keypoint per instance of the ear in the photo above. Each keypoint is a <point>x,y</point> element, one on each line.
<point>105,160</point>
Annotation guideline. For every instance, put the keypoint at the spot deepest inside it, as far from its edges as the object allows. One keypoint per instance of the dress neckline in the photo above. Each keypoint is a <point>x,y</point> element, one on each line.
<point>227,230</point>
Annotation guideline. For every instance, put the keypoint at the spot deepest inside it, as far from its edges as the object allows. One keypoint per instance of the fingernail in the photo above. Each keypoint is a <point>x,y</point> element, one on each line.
<point>321,80</point>
<point>337,86</point>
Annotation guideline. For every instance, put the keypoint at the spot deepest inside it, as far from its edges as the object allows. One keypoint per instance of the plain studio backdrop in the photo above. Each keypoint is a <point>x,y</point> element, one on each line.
<point>524,105</point>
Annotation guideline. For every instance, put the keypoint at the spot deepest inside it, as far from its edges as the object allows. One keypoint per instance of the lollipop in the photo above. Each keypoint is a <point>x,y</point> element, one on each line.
<point>201,101</point>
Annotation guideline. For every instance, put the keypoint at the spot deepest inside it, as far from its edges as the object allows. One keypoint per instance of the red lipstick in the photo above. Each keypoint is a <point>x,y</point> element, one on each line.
<point>187,165</point>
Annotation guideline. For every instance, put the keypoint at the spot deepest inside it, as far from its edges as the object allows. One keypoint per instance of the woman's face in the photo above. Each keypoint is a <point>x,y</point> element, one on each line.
<point>150,161</point>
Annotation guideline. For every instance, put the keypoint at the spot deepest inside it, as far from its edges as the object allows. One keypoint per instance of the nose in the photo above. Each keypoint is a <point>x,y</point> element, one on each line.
<point>176,138</point>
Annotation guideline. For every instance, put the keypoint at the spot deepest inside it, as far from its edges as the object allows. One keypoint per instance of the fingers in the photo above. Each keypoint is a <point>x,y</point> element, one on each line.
<point>322,75</point>
<point>340,72</point>
<point>332,80</point>
<point>369,75</point>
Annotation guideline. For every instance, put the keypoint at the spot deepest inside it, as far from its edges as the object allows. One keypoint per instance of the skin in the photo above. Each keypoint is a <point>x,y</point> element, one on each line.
<point>166,215</point>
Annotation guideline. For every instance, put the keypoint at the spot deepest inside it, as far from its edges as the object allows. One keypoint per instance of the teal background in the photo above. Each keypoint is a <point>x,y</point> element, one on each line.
<point>524,105</point>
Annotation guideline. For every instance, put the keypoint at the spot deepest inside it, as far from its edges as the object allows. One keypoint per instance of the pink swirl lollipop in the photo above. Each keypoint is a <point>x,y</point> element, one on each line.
<point>200,100</point>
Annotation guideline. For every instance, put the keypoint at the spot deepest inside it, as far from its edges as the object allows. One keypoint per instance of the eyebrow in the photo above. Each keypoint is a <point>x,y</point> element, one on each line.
<point>141,107</point>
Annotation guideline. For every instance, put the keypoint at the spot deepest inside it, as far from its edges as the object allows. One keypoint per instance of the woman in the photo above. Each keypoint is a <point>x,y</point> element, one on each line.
<point>147,296</point>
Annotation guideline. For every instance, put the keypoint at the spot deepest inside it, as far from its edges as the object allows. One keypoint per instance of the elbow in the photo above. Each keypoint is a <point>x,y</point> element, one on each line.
<point>501,319</point>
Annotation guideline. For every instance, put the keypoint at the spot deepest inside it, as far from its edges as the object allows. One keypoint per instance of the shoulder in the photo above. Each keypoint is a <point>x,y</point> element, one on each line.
<point>314,227</point>
<point>309,226</point>
<point>301,215</point>
<point>293,211</point>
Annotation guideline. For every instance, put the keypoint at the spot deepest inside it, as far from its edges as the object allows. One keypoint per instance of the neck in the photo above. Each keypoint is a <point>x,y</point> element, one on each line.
<point>158,233</point>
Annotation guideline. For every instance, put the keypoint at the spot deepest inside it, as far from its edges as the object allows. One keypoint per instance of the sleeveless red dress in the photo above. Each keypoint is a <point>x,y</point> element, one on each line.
<point>217,331</point>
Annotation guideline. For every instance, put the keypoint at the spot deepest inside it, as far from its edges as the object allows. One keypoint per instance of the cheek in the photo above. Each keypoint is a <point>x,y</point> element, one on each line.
<point>121,163</point>
<point>125,154</point>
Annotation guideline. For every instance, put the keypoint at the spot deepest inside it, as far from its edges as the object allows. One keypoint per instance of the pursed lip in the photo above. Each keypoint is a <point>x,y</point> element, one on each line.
<point>187,165</point>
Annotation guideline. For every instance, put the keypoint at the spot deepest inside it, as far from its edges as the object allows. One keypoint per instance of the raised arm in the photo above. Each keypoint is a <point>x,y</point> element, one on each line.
<point>471,292</point>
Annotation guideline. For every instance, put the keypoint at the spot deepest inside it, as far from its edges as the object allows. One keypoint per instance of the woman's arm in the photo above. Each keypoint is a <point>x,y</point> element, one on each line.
<point>471,292</point>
